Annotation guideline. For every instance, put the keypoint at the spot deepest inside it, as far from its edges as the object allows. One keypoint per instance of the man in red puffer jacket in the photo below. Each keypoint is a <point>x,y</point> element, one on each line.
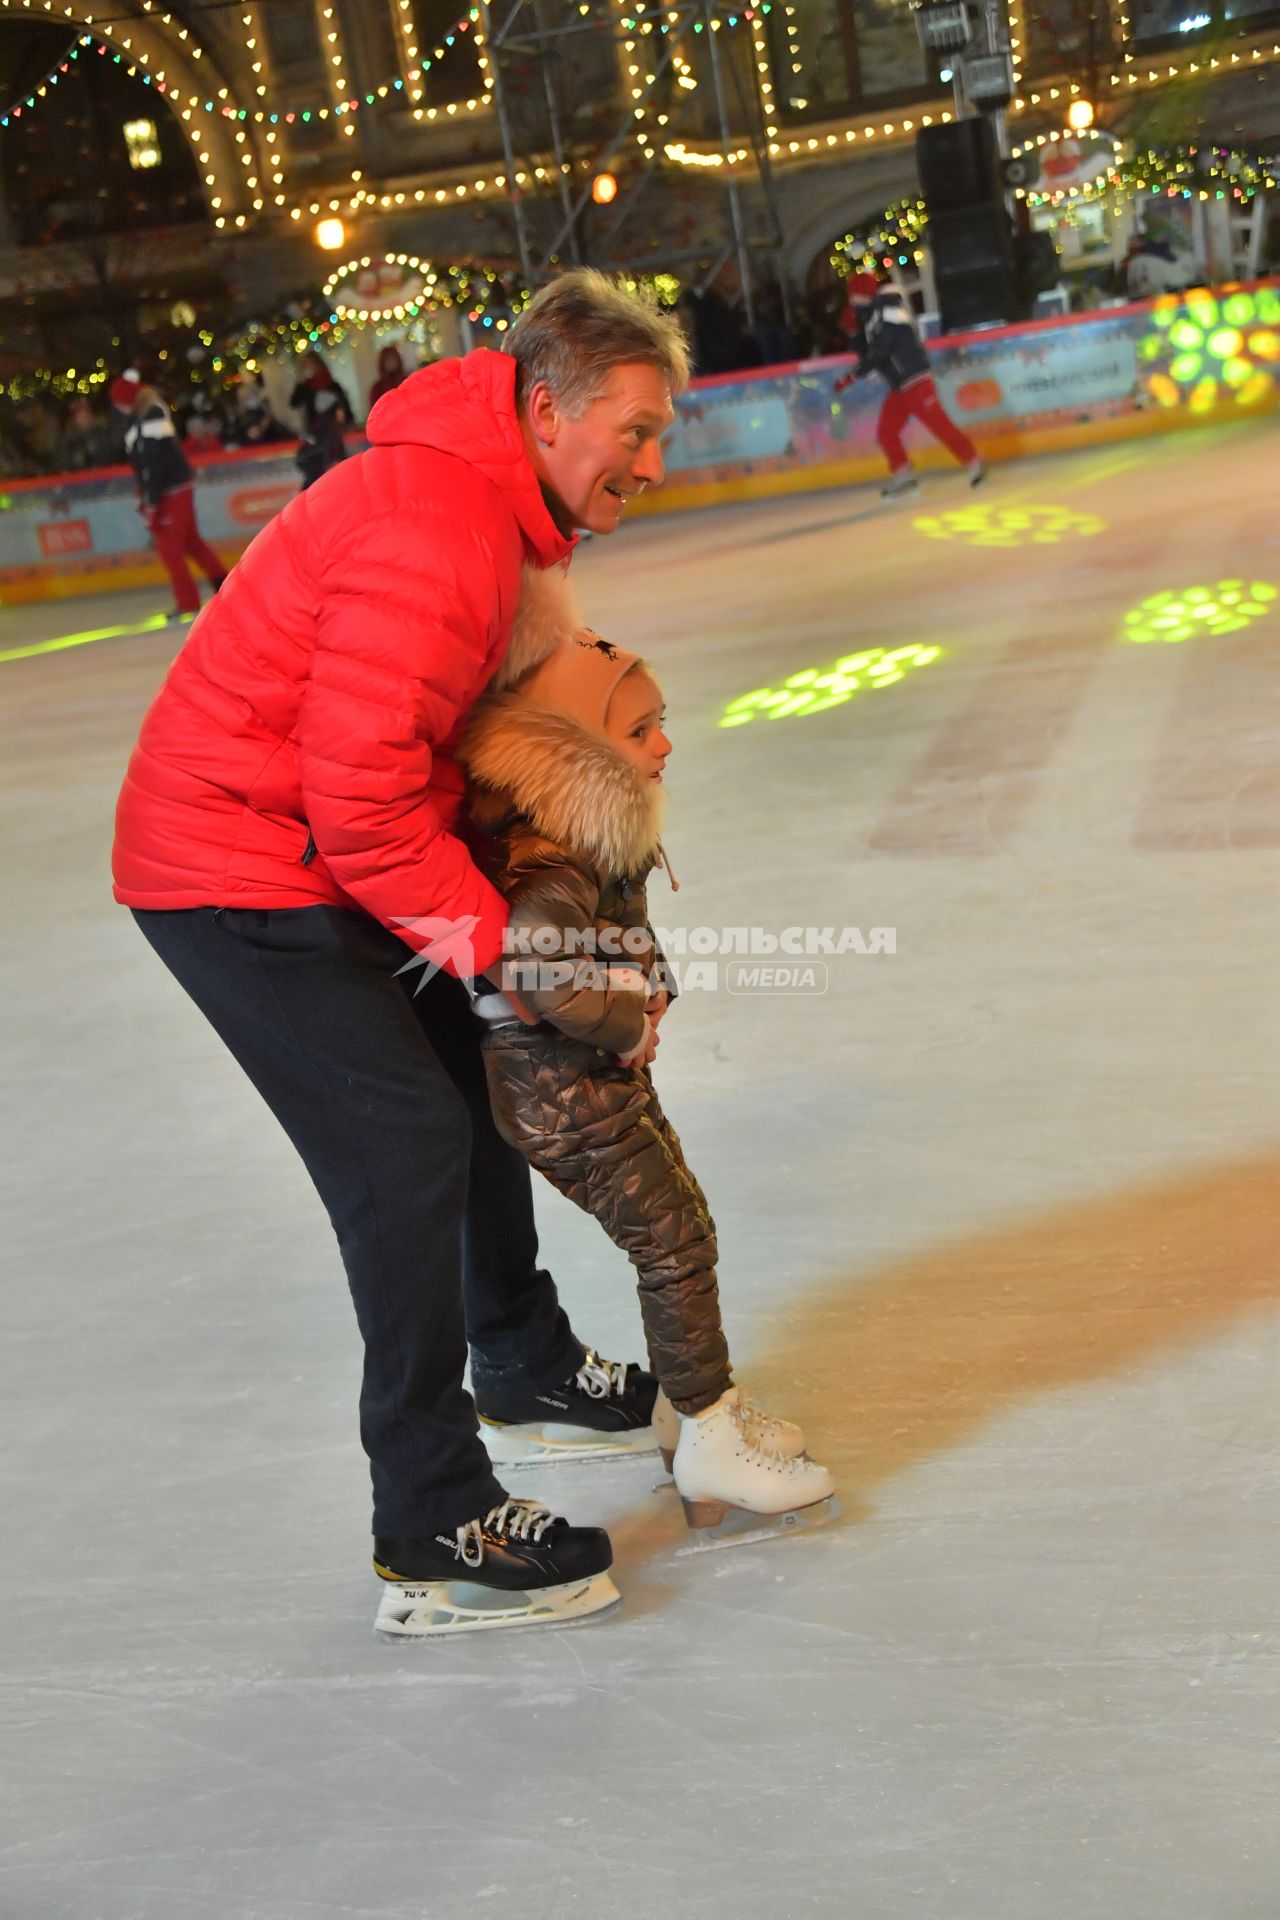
<point>285,834</point>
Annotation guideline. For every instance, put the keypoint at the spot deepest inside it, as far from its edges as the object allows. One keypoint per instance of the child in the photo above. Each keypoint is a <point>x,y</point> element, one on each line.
<point>565,773</point>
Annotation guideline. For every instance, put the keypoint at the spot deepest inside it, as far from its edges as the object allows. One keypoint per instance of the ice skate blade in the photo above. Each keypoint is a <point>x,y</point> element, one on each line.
<point>738,1528</point>
<point>436,1608</point>
<point>538,1445</point>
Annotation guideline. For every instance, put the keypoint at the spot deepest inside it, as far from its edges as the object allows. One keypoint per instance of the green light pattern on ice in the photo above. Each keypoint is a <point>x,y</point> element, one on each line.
<point>816,689</point>
<point>1227,607</point>
<point>990,525</point>
<point>65,640</point>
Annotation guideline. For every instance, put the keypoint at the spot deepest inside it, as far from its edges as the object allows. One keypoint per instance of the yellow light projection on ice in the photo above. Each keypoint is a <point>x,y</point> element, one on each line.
<point>1224,608</point>
<point>988,525</point>
<point>62,641</point>
<point>815,689</point>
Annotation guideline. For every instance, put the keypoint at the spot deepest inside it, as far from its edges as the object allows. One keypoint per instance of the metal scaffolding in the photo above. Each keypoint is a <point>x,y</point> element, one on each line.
<point>524,41</point>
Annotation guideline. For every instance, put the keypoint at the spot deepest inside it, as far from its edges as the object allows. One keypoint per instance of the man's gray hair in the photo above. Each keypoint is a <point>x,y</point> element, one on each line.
<point>574,332</point>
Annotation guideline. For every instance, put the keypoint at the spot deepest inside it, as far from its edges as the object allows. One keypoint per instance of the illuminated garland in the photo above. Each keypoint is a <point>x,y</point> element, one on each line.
<point>115,34</point>
<point>72,381</point>
<point>380,92</point>
<point>1209,171</point>
<point>241,114</point>
<point>893,239</point>
<point>452,286</point>
<point>641,21</point>
<point>896,237</point>
<point>485,295</point>
<point>38,92</point>
<point>320,321</point>
<point>64,66</point>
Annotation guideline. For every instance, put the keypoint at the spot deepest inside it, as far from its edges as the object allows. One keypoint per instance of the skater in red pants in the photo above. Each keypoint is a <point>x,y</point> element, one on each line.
<point>165,496</point>
<point>886,342</point>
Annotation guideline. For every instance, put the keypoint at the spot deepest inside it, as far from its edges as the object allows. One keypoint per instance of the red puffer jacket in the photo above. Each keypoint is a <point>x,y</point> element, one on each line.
<point>300,750</point>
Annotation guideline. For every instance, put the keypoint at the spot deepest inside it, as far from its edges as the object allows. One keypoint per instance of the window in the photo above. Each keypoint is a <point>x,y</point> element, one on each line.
<point>457,75</point>
<point>836,56</point>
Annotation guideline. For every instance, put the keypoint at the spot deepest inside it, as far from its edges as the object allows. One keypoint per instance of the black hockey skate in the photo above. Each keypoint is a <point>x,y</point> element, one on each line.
<point>518,1566</point>
<point>606,1409</point>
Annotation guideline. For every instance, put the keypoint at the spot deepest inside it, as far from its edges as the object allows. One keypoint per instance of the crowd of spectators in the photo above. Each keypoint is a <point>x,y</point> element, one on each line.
<point>723,342</point>
<point>45,434</point>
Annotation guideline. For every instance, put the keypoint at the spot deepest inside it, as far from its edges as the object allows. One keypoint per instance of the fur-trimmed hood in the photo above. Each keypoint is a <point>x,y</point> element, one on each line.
<point>572,785</point>
<point>546,614</point>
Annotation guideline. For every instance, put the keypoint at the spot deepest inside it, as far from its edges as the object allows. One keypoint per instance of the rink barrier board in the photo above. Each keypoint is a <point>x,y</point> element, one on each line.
<point>1013,444</point>
<point>1048,386</point>
<point>126,571</point>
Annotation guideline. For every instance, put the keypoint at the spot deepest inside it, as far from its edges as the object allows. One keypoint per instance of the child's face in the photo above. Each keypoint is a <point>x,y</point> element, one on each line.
<point>634,723</point>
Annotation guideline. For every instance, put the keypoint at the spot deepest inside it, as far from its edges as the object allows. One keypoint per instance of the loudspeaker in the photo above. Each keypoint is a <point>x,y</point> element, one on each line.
<point>973,266</point>
<point>958,164</point>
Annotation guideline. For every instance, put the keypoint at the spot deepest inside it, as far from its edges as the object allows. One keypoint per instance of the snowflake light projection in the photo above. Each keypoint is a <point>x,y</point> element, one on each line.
<point>989,525</point>
<point>1224,608</point>
<point>816,689</point>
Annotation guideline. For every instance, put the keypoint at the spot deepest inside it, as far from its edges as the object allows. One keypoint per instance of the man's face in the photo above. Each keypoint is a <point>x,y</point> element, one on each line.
<point>609,453</point>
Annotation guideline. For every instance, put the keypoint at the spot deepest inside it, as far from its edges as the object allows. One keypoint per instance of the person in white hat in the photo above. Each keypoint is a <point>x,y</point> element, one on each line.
<point>166,491</point>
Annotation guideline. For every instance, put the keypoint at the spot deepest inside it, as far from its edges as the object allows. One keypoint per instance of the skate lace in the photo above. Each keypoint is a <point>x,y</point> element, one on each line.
<point>755,1420</point>
<point>754,1427</point>
<point>600,1378</point>
<point>513,1520</point>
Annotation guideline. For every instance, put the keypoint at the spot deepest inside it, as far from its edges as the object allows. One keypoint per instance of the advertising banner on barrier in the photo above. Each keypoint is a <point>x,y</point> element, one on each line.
<point>1185,356</point>
<point>1056,373</point>
<point>84,517</point>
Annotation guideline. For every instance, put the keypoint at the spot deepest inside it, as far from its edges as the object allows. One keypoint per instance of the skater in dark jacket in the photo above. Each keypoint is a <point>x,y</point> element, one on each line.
<point>565,790</point>
<point>886,342</point>
<point>166,496</point>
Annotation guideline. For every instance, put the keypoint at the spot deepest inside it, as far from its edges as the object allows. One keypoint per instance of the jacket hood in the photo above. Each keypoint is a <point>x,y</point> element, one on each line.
<point>570,783</point>
<point>468,408</point>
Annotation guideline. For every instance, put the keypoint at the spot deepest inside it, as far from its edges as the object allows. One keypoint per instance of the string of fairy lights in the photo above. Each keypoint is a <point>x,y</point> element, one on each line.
<point>230,166</point>
<point>895,238</point>
<point>892,239</point>
<point>486,296</point>
<point>235,196</point>
<point>62,65</point>
<point>1189,172</point>
<point>190,104</point>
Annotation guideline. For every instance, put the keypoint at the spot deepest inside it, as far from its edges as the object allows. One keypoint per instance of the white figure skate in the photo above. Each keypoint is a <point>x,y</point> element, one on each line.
<point>733,1490</point>
<point>767,1429</point>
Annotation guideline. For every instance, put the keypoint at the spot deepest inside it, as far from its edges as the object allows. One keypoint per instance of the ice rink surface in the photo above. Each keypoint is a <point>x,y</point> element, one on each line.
<point>999,1222</point>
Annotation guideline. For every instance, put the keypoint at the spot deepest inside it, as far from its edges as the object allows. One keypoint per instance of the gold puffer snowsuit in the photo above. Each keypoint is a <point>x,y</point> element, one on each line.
<point>566,828</point>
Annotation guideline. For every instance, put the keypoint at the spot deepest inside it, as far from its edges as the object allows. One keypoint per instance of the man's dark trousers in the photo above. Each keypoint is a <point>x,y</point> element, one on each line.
<point>382,1091</point>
